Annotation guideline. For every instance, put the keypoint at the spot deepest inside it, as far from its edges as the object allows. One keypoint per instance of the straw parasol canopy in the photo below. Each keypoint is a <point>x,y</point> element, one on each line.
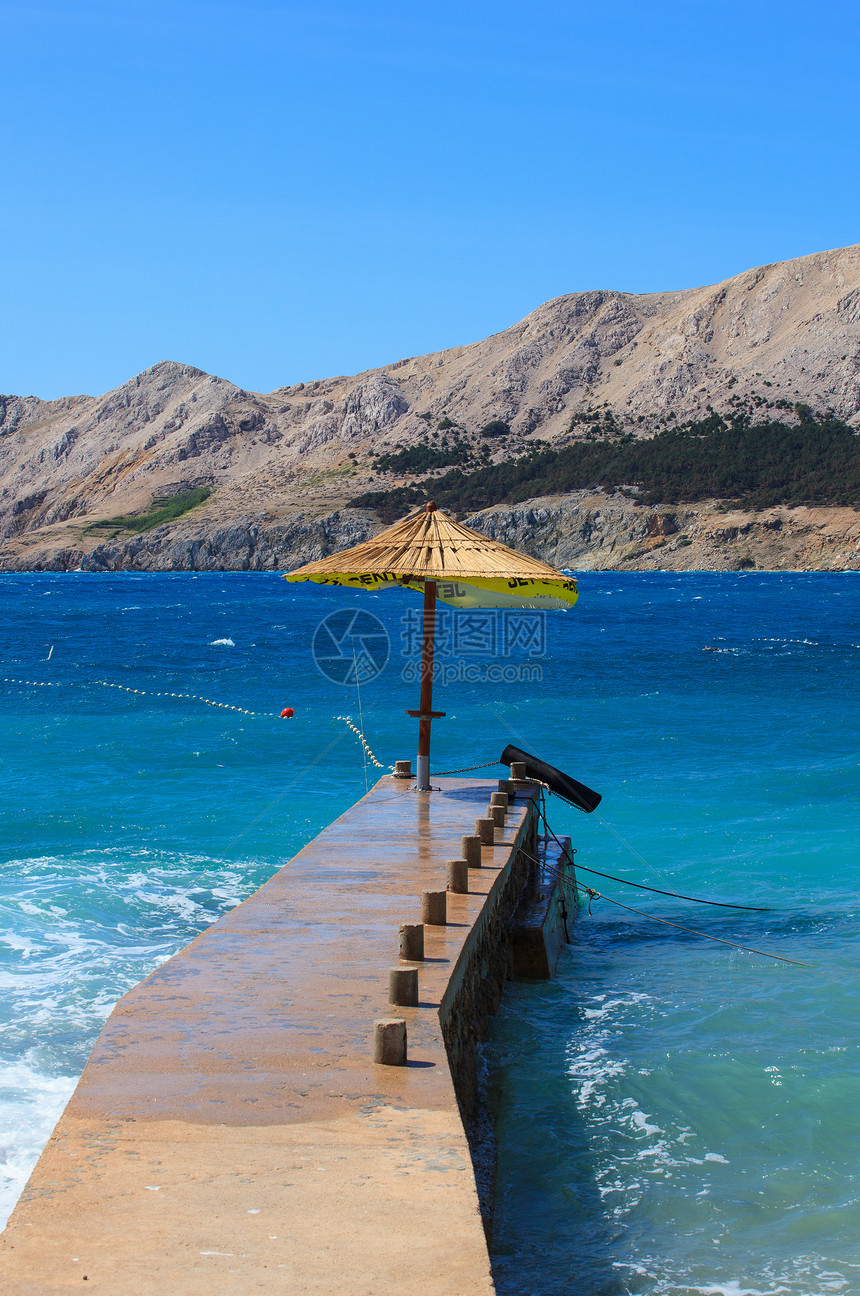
<point>431,553</point>
<point>469,570</point>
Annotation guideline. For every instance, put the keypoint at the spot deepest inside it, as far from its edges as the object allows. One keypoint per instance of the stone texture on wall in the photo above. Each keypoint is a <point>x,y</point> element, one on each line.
<point>472,997</point>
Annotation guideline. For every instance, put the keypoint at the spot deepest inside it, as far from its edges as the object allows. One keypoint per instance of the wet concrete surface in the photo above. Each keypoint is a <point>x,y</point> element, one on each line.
<point>231,1133</point>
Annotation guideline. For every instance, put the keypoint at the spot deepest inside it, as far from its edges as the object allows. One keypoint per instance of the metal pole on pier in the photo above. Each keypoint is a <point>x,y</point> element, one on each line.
<point>425,711</point>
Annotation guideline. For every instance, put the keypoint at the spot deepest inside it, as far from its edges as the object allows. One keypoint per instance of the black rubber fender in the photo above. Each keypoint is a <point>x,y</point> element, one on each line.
<point>562,784</point>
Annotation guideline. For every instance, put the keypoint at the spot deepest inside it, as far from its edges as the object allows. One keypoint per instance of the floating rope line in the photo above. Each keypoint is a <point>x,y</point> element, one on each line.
<point>188,697</point>
<point>360,712</point>
<point>810,643</point>
<point>805,643</point>
<point>347,720</point>
<point>34,683</point>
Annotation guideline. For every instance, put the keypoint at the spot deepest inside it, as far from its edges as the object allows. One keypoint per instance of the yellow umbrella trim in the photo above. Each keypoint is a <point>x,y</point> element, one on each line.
<point>470,570</point>
<point>477,592</point>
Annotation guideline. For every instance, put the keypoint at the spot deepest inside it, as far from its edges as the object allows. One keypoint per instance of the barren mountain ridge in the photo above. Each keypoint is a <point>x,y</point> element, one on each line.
<point>280,467</point>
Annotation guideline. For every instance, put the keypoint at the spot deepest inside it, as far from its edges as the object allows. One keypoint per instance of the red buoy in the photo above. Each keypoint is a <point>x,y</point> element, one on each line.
<point>287,713</point>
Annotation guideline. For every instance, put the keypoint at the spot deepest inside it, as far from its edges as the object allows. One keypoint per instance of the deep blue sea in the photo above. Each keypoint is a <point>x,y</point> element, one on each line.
<point>674,1115</point>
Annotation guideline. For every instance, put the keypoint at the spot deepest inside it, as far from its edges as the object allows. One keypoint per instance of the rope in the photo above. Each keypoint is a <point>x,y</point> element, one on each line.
<point>597,895</point>
<point>436,773</point>
<point>467,769</point>
<point>625,842</point>
<point>665,921</point>
<point>542,813</point>
<point>34,683</point>
<point>718,904</point>
<point>360,712</point>
<point>348,722</point>
<point>292,783</point>
<point>189,697</point>
<point>812,643</point>
<point>642,886</point>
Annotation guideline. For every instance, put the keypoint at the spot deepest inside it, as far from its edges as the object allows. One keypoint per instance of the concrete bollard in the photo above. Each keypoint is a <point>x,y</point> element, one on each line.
<point>497,814</point>
<point>403,769</point>
<point>403,987</point>
<point>486,830</point>
<point>389,1041</point>
<point>412,942</point>
<point>471,848</point>
<point>518,771</point>
<point>458,876</point>
<point>499,799</point>
<point>434,908</point>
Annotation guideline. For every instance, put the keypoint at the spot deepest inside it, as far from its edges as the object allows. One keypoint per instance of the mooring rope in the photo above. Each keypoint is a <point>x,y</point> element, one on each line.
<point>641,886</point>
<point>692,930</point>
<point>347,720</point>
<point>625,842</point>
<point>624,881</point>
<point>694,900</point>
<point>467,769</point>
<point>598,895</point>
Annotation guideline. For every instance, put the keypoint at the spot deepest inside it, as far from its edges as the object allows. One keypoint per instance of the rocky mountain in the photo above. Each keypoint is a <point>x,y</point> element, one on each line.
<point>270,475</point>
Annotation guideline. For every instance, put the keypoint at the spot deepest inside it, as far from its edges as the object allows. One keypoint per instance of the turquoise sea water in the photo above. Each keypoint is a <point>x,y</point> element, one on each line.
<point>674,1116</point>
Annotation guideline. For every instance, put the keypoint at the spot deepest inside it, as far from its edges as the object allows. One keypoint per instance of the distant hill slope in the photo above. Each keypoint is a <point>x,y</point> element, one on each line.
<point>264,479</point>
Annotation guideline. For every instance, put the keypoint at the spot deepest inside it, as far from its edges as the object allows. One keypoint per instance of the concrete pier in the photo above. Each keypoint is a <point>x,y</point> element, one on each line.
<point>231,1132</point>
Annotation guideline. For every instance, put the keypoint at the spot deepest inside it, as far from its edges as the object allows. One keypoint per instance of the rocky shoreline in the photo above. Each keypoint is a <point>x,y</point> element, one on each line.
<point>585,531</point>
<point>82,478</point>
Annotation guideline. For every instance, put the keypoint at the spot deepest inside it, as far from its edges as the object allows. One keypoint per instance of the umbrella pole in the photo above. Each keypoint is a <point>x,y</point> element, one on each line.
<point>425,705</point>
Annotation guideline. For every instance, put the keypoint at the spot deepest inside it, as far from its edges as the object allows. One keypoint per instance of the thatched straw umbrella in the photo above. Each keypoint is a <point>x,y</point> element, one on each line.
<point>431,553</point>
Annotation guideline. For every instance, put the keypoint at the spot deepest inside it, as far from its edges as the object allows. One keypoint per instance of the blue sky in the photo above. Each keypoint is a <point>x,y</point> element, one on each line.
<point>278,192</point>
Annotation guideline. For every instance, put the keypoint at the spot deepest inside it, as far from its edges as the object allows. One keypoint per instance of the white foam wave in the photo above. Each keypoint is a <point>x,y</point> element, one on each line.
<point>733,1288</point>
<point>75,934</point>
<point>632,1146</point>
<point>30,1105</point>
<point>608,1005</point>
<point>639,1121</point>
<point>228,643</point>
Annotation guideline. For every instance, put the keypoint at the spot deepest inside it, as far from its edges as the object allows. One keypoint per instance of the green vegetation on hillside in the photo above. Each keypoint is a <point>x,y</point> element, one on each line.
<point>389,505</point>
<point>496,428</point>
<point>162,510</point>
<point>424,458</point>
<point>813,461</point>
